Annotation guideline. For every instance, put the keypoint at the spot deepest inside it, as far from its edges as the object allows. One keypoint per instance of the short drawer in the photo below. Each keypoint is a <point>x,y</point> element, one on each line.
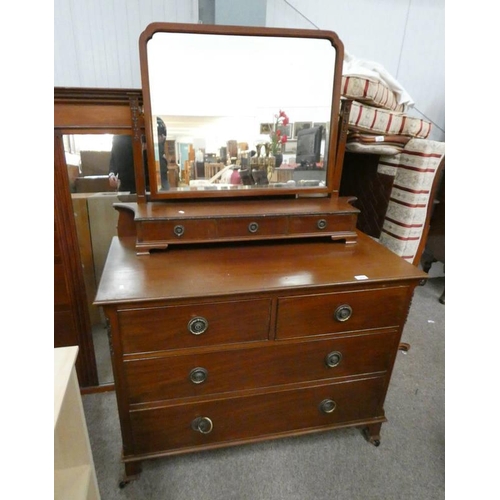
<point>307,315</point>
<point>178,230</point>
<point>206,423</point>
<point>250,227</point>
<point>307,224</point>
<point>170,377</point>
<point>172,327</point>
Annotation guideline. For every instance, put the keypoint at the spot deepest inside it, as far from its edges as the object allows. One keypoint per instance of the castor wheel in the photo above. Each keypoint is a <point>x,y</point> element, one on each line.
<point>376,442</point>
<point>123,484</point>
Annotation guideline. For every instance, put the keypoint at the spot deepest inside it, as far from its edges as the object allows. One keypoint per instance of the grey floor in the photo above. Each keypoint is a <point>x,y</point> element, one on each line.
<point>409,464</point>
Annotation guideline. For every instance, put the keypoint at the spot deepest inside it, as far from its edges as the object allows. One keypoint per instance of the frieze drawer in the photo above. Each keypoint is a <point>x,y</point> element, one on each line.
<point>193,325</point>
<point>306,315</point>
<point>251,226</point>
<point>199,424</point>
<point>310,224</point>
<point>191,375</point>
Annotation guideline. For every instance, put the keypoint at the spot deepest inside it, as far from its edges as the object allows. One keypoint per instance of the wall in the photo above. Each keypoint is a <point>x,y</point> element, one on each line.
<point>248,13</point>
<point>405,36</point>
<point>96,42</point>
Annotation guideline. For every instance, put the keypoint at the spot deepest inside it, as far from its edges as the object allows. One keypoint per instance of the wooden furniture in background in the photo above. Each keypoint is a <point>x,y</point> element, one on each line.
<point>74,473</point>
<point>435,245</point>
<point>80,111</point>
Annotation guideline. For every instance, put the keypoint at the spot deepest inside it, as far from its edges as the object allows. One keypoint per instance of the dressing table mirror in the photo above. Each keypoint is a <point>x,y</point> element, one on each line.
<point>258,109</point>
<point>222,89</point>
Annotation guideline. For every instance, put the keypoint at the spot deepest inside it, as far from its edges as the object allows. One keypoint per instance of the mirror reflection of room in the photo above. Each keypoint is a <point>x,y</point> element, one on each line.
<point>100,173</point>
<point>243,129</point>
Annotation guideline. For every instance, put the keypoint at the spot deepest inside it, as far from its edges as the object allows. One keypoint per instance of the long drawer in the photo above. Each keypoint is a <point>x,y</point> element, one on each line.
<point>278,363</point>
<point>197,424</point>
<point>194,325</point>
<point>307,315</point>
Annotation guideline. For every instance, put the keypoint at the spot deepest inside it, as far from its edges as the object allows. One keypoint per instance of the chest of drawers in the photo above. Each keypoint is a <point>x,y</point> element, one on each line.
<point>226,345</point>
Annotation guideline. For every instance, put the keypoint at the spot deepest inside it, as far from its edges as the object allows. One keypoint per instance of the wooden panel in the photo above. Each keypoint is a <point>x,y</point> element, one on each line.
<point>236,228</point>
<point>248,417</point>
<point>315,314</point>
<point>169,377</point>
<point>164,230</point>
<point>69,115</point>
<point>246,269</point>
<point>321,223</point>
<point>162,328</point>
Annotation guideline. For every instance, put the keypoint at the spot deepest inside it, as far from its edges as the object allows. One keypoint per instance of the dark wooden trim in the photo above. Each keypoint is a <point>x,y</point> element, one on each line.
<point>97,389</point>
<point>432,196</point>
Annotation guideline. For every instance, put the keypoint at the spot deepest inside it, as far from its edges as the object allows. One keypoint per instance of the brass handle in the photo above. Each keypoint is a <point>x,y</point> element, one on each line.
<point>321,224</point>
<point>327,405</point>
<point>333,359</point>
<point>202,424</point>
<point>198,375</point>
<point>343,312</point>
<point>179,230</point>
<point>253,227</point>
<point>198,325</point>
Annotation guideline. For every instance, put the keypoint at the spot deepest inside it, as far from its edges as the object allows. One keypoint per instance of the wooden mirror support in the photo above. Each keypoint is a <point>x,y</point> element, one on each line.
<point>204,211</point>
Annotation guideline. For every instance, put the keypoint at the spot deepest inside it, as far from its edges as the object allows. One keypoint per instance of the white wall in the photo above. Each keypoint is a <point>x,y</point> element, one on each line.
<point>405,36</point>
<point>96,42</point>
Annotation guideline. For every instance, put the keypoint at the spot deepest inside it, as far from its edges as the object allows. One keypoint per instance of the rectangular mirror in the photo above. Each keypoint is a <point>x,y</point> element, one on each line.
<point>235,111</point>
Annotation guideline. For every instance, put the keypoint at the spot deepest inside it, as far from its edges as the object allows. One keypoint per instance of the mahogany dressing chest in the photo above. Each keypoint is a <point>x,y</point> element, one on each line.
<point>242,313</point>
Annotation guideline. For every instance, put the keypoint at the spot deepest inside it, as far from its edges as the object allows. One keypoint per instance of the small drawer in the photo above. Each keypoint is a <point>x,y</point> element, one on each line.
<point>202,424</point>
<point>308,315</point>
<point>171,377</point>
<point>176,230</point>
<point>250,227</point>
<point>310,224</point>
<point>193,325</point>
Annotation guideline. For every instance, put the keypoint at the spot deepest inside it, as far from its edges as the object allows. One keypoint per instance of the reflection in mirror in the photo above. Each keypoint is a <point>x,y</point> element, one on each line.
<point>90,158</point>
<point>234,107</point>
<point>100,163</point>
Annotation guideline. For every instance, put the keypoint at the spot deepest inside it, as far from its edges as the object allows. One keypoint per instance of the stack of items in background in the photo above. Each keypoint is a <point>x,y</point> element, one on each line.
<point>394,177</point>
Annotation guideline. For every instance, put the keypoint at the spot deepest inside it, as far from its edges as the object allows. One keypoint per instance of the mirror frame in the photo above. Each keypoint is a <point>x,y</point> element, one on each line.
<point>333,176</point>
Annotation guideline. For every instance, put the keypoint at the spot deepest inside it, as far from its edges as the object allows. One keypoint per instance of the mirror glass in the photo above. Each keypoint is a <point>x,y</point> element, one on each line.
<point>239,112</point>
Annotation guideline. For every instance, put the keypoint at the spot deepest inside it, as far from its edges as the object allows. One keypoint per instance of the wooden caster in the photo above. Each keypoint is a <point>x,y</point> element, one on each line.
<point>372,433</point>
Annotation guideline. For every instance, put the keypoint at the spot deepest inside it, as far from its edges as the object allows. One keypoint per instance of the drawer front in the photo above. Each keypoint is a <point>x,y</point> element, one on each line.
<point>194,375</point>
<point>177,427</point>
<point>192,230</point>
<point>341,312</point>
<point>321,224</point>
<point>172,327</point>
<point>251,227</point>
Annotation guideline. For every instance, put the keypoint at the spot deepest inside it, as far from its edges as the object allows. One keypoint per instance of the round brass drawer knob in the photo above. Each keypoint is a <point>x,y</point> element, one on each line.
<point>321,224</point>
<point>198,375</point>
<point>179,230</point>
<point>203,425</point>
<point>253,227</point>
<point>343,312</point>
<point>198,325</point>
<point>333,359</point>
<point>327,405</point>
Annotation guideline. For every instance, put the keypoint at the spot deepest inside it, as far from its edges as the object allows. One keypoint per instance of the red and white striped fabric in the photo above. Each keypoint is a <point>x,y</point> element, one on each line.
<point>373,120</point>
<point>371,92</point>
<point>416,169</point>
